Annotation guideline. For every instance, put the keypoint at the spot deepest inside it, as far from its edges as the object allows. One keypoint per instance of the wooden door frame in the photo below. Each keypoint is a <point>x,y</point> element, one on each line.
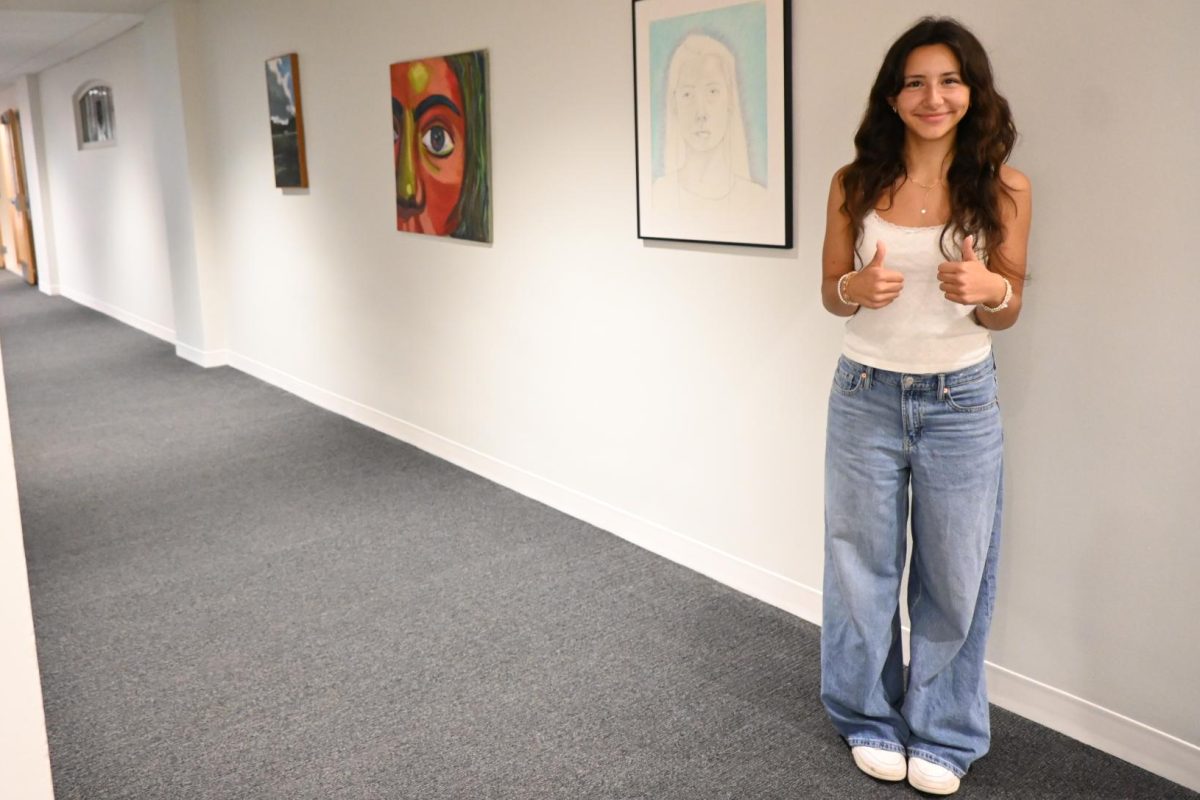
<point>22,211</point>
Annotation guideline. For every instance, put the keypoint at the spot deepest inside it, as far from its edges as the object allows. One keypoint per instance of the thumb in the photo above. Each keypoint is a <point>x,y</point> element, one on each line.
<point>880,253</point>
<point>968,249</point>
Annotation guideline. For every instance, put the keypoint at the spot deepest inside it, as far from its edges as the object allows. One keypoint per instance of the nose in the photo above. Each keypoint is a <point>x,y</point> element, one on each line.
<point>933,94</point>
<point>409,192</point>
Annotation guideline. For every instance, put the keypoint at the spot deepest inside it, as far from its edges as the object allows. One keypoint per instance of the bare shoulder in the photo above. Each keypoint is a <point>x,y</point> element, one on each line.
<point>837,191</point>
<point>837,187</point>
<point>1014,179</point>
<point>1016,188</point>
<point>835,184</point>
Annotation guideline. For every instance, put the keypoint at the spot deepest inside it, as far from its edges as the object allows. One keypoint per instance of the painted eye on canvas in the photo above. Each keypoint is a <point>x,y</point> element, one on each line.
<point>438,142</point>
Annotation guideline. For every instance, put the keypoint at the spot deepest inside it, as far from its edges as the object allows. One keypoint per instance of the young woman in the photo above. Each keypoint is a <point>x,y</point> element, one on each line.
<point>925,253</point>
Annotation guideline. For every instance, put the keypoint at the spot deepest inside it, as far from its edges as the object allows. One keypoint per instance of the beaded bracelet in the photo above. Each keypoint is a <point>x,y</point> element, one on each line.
<point>841,289</point>
<point>1003,303</point>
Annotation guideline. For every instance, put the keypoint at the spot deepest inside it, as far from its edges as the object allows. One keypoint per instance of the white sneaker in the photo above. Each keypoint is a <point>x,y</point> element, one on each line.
<point>931,778</point>
<point>886,765</point>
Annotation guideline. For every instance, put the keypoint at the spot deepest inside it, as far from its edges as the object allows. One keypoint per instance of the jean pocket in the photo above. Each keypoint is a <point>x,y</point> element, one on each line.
<point>974,396</point>
<point>848,379</point>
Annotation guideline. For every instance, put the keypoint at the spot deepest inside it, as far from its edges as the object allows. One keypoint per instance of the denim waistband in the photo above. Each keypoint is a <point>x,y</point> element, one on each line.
<point>920,381</point>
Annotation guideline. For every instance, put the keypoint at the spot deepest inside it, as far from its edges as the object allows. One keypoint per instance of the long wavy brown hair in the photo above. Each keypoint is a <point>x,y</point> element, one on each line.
<point>983,142</point>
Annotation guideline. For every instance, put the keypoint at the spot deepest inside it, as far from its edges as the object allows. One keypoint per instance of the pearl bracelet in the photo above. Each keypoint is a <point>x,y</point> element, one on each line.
<point>1003,303</point>
<point>841,289</point>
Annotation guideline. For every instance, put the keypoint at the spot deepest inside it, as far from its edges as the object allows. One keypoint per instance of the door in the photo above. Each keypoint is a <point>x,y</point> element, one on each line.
<point>18,190</point>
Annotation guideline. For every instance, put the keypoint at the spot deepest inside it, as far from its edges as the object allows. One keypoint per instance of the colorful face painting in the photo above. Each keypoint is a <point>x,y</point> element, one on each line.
<point>440,145</point>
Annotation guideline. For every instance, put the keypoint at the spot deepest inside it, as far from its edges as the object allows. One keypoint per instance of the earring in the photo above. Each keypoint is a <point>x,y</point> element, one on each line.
<point>895,110</point>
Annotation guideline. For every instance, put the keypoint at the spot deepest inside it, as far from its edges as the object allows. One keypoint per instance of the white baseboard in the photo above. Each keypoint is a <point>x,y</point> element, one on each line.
<point>203,358</point>
<point>1125,738</point>
<point>780,591</point>
<point>128,317</point>
<point>1115,734</point>
<point>49,289</point>
<point>1080,719</point>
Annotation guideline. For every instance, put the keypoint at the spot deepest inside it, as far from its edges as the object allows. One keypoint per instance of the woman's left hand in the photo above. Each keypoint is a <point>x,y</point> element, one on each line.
<point>969,282</point>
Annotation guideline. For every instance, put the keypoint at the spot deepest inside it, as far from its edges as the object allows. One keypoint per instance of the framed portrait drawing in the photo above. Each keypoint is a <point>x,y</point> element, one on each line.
<point>712,81</point>
<point>287,121</point>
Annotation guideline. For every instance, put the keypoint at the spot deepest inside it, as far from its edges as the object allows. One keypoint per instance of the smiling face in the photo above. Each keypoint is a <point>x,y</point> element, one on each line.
<point>933,97</point>
<point>429,142</point>
<point>702,102</point>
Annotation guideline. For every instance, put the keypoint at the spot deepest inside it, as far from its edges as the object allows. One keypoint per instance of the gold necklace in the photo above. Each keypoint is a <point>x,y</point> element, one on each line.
<point>928,189</point>
<point>931,187</point>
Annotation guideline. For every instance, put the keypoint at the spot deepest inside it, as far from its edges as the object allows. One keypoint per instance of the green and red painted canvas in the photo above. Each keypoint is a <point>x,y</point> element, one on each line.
<point>440,144</point>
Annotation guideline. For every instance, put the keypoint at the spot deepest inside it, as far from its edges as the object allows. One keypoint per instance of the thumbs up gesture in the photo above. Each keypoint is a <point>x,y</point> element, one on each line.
<point>969,282</point>
<point>875,286</point>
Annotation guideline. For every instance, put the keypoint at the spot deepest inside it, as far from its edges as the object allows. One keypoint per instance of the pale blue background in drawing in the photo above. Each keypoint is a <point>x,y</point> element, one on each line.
<point>741,28</point>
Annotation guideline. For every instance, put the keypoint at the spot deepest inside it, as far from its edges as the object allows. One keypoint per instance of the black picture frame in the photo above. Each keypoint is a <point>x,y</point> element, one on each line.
<point>713,121</point>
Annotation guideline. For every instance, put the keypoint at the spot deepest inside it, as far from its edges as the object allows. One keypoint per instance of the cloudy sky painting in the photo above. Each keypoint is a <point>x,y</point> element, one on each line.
<point>287,128</point>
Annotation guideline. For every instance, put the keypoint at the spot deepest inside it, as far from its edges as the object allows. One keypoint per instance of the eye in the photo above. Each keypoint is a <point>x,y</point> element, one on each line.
<point>438,141</point>
<point>912,84</point>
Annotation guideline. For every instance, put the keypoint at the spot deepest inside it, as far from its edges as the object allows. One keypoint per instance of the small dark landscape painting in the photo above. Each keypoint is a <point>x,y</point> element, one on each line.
<point>287,121</point>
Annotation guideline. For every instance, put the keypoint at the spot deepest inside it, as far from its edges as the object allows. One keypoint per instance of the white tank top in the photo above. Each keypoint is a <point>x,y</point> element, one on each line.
<point>920,331</point>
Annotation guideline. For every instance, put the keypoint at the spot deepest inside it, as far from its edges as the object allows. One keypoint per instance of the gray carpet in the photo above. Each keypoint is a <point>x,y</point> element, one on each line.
<point>239,595</point>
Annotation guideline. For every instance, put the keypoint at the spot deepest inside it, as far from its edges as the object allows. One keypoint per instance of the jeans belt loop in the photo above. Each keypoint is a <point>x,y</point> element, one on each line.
<point>942,386</point>
<point>870,374</point>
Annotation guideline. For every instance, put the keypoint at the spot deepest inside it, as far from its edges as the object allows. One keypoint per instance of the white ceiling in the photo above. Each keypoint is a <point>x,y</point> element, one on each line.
<point>36,34</point>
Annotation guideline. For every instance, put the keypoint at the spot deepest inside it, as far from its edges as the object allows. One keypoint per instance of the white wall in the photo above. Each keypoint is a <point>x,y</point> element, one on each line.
<point>1100,549</point>
<point>29,100</point>
<point>24,753</point>
<point>198,285</point>
<point>109,226</point>
<point>675,394</point>
<point>660,380</point>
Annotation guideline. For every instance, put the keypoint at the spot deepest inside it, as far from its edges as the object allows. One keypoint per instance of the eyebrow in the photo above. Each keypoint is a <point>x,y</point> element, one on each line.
<point>435,100</point>
<point>426,104</point>
<point>955,73</point>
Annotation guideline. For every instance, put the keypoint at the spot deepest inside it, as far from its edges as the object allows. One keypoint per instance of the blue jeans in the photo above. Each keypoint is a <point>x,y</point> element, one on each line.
<point>940,436</point>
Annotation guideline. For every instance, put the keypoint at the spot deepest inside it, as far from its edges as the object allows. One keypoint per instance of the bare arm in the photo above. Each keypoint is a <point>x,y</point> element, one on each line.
<point>1015,217</point>
<point>874,286</point>
<point>837,256</point>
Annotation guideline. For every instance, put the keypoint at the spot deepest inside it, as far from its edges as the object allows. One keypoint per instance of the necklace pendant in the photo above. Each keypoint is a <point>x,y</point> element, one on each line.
<point>922,211</point>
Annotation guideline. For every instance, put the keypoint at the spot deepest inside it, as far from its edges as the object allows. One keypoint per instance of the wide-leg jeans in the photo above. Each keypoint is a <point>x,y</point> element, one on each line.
<point>939,437</point>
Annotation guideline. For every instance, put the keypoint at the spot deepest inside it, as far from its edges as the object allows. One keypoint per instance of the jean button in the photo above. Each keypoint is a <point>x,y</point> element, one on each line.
<point>908,381</point>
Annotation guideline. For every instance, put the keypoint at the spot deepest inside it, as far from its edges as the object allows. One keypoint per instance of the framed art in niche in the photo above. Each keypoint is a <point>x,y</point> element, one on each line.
<point>440,146</point>
<point>287,121</point>
<point>94,121</point>
<point>712,86</point>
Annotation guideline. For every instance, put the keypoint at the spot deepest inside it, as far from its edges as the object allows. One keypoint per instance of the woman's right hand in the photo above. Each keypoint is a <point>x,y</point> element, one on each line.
<point>874,286</point>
